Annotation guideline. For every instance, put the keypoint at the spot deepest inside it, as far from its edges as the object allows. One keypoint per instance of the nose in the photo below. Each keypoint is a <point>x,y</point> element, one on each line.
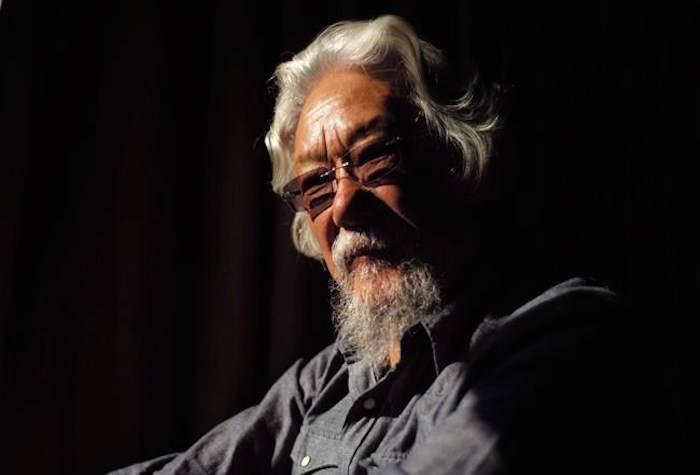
<point>346,203</point>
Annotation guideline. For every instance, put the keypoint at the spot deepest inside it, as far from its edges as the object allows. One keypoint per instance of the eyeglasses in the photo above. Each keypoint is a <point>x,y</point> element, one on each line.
<point>376,164</point>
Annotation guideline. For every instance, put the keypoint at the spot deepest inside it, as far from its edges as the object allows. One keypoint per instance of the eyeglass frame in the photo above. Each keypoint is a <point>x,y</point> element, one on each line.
<point>294,197</point>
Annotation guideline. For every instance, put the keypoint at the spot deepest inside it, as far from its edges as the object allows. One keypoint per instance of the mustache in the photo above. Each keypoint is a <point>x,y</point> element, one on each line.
<point>350,244</point>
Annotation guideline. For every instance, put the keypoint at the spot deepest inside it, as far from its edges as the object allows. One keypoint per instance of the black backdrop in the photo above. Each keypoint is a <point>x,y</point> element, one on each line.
<point>148,288</point>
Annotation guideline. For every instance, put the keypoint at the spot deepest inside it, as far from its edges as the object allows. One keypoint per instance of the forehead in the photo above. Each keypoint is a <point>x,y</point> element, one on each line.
<point>345,105</point>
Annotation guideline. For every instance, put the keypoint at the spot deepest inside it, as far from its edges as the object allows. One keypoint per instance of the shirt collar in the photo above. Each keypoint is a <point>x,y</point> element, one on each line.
<point>449,330</point>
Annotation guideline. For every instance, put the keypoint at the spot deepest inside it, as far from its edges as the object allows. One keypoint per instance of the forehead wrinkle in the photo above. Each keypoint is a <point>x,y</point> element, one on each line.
<point>335,116</point>
<point>378,124</point>
<point>315,153</point>
<point>343,146</point>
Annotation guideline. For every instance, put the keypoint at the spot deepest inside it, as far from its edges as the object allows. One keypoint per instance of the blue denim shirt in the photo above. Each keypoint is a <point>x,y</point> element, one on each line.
<point>471,394</point>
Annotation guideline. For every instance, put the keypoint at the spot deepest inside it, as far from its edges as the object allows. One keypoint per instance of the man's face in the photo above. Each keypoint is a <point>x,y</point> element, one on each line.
<point>349,111</point>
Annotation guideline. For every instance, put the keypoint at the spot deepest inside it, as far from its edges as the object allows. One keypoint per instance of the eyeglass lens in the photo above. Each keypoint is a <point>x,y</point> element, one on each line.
<point>314,191</point>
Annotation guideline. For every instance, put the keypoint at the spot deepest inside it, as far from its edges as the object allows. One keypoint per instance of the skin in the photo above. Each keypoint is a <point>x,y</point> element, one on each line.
<point>334,118</point>
<point>345,109</point>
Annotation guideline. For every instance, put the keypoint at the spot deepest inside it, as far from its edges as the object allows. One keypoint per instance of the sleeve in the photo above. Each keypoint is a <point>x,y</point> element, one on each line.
<point>256,440</point>
<point>546,392</point>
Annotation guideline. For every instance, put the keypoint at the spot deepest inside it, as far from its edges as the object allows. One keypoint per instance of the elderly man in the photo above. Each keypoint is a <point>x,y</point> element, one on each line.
<point>383,178</point>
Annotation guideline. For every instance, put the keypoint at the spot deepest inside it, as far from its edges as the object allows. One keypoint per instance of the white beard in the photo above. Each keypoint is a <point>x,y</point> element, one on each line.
<point>373,319</point>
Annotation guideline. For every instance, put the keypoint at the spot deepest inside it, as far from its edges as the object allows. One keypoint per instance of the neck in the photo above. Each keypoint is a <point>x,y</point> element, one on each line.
<point>394,355</point>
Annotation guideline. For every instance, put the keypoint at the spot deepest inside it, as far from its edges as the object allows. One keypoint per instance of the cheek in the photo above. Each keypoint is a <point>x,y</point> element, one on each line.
<point>325,232</point>
<point>400,203</point>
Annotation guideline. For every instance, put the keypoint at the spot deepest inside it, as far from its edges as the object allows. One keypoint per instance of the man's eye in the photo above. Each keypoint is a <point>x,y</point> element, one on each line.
<point>378,168</point>
<point>319,200</point>
<point>376,152</point>
<point>314,179</point>
<point>378,161</point>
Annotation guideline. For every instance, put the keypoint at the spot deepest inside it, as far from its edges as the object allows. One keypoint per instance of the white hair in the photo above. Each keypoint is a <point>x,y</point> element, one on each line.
<point>384,45</point>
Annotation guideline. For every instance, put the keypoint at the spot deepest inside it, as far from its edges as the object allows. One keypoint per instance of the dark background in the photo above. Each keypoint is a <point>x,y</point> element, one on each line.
<point>148,287</point>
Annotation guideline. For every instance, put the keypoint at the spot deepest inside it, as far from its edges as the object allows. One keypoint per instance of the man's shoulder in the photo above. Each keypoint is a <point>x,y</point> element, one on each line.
<point>564,363</point>
<point>570,294</point>
<point>574,305</point>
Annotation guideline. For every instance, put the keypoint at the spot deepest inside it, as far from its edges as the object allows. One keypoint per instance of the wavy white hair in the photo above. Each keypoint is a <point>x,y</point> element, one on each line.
<point>385,45</point>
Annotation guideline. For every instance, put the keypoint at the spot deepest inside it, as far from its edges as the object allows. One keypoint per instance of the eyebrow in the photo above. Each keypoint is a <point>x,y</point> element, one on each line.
<point>377,124</point>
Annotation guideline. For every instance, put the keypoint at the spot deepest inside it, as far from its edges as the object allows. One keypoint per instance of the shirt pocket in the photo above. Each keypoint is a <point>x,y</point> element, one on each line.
<point>315,453</point>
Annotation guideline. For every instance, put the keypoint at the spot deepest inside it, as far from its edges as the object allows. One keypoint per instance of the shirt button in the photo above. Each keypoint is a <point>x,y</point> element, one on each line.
<point>369,403</point>
<point>305,461</point>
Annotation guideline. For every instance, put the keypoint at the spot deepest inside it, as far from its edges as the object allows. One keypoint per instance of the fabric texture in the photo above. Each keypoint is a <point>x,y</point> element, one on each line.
<point>540,390</point>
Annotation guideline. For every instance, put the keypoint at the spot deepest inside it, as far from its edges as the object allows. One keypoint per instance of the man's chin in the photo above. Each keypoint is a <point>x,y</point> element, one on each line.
<point>370,279</point>
<point>363,263</point>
